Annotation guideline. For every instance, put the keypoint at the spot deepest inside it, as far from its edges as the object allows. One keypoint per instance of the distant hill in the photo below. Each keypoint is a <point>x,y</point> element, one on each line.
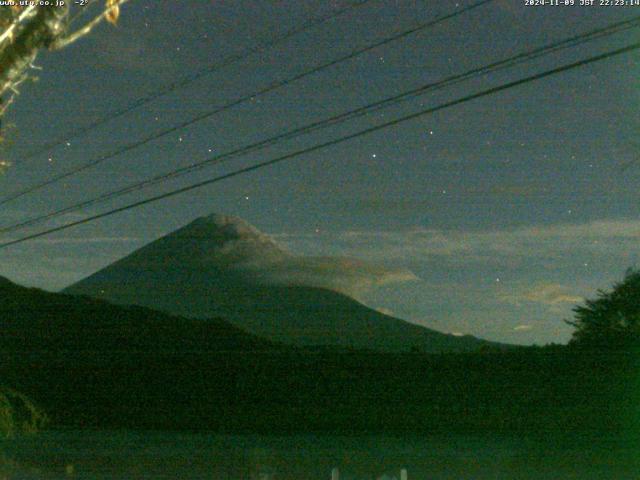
<point>88,364</point>
<point>220,266</point>
<point>36,320</point>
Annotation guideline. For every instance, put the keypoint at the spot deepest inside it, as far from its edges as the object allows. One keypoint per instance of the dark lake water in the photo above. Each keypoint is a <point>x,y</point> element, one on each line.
<point>158,455</point>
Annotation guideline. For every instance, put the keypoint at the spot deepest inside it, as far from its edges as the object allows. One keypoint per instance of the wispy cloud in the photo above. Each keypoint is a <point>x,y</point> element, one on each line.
<point>552,295</point>
<point>343,274</point>
<point>606,237</point>
<point>511,284</point>
<point>545,294</point>
<point>522,328</point>
<point>77,240</point>
<point>259,257</point>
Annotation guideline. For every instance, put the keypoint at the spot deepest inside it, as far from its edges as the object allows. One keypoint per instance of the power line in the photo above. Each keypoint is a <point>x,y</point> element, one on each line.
<point>330,143</point>
<point>268,89</point>
<point>359,112</point>
<point>187,79</point>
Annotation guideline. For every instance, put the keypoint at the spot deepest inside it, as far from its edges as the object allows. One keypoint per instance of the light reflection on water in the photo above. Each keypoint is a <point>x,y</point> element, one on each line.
<point>93,455</point>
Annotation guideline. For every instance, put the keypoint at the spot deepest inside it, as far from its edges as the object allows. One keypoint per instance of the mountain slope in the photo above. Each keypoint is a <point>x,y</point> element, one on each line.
<point>90,364</point>
<point>220,266</point>
<point>36,320</point>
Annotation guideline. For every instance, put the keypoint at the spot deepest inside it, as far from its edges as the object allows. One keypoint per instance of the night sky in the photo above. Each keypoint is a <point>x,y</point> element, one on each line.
<point>510,209</point>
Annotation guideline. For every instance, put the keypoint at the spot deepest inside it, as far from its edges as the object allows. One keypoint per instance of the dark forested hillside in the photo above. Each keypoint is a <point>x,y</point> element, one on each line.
<point>92,364</point>
<point>35,320</point>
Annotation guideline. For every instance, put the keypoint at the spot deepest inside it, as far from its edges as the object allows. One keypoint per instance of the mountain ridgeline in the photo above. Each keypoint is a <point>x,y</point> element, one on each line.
<point>220,266</point>
<point>88,363</point>
<point>33,320</point>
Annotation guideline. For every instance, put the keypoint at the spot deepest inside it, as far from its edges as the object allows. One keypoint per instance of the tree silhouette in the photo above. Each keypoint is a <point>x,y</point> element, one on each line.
<point>612,320</point>
<point>27,29</point>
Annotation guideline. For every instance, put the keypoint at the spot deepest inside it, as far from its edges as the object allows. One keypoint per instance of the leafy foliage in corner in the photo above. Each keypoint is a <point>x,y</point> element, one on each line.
<point>612,320</point>
<point>18,414</point>
<point>25,30</point>
<point>112,11</point>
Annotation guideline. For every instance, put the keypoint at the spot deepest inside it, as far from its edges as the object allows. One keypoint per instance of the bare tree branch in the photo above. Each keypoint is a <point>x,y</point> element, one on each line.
<point>31,35</point>
<point>24,31</point>
<point>8,33</point>
<point>81,32</point>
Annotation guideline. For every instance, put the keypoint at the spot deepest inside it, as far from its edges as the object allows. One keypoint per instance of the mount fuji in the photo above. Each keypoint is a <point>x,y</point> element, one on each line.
<point>221,266</point>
